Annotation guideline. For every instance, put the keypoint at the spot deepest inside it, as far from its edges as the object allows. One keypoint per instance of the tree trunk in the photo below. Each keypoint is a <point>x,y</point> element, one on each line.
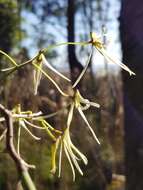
<point>75,65</point>
<point>8,29</point>
<point>131,30</point>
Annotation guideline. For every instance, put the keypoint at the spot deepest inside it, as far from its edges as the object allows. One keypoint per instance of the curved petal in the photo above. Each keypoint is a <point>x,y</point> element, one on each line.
<point>90,128</point>
<point>84,70</point>
<point>70,115</point>
<point>109,58</point>
<point>69,159</point>
<point>53,69</point>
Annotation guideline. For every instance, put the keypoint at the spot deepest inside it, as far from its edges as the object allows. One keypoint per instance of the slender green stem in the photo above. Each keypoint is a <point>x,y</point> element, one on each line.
<point>9,57</point>
<point>17,67</point>
<point>52,114</point>
<point>42,51</point>
<point>27,182</point>
<point>65,43</point>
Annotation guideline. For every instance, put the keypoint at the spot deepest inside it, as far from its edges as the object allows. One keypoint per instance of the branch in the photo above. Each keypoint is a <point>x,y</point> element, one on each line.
<point>22,168</point>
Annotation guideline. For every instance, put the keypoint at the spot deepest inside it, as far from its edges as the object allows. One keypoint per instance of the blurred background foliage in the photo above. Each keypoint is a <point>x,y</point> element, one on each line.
<point>52,23</point>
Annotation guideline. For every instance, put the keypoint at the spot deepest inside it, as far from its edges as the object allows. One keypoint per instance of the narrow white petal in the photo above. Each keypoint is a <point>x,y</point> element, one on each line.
<point>73,157</point>
<point>86,101</point>
<point>53,69</point>
<point>33,125</point>
<point>94,104</point>
<point>80,154</point>
<point>90,128</point>
<point>46,75</point>
<point>70,115</point>
<point>24,126</point>
<point>60,158</point>
<point>68,140</point>
<point>3,134</point>
<point>37,75</point>
<point>84,70</point>
<point>68,157</point>
<point>18,140</point>
<point>109,58</point>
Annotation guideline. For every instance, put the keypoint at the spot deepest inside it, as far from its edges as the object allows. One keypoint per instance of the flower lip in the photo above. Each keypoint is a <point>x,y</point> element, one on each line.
<point>78,98</point>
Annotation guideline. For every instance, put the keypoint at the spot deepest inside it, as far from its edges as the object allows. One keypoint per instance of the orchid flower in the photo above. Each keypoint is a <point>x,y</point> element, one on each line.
<point>38,63</point>
<point>72,153</point>
<point>82,104</point>
<point>22,117</point>
<point>25,120</point>
<point>99,45</point>
<point>23,123</point>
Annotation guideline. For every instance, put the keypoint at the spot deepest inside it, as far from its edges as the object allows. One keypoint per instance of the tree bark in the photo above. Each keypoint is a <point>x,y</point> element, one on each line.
<point>131,30</point>
<point>75,65</point>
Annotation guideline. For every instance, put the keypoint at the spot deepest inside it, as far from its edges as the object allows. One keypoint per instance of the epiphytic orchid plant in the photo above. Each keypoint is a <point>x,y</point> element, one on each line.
<point>61,139</point>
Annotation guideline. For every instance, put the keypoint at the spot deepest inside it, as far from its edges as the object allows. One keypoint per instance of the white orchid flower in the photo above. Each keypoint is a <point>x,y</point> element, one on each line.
<point>38,63</point>
<point>72,153</point>
<point>83,104</point>
<point>99,45</point>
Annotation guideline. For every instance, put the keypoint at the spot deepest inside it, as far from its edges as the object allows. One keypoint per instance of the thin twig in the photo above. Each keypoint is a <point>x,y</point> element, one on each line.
<point>22,167</point>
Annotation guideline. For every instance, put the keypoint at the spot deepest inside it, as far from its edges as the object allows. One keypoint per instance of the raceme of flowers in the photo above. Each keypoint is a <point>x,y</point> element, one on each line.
<point>61,139</point>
